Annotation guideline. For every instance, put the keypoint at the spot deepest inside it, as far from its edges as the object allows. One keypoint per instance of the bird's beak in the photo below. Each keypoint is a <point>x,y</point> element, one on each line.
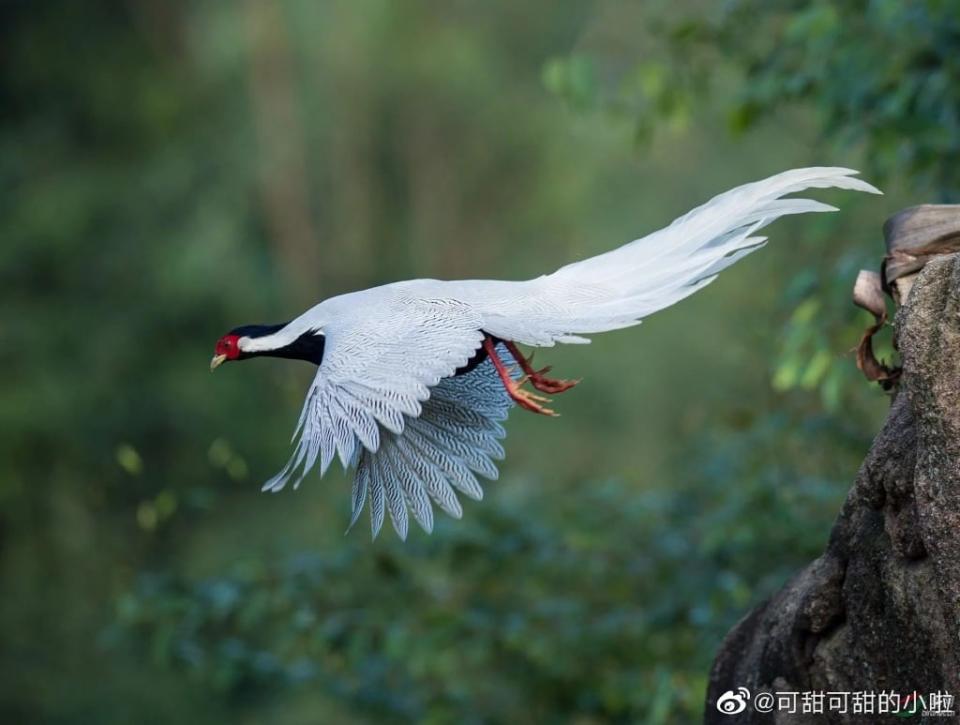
<point>217,362</point>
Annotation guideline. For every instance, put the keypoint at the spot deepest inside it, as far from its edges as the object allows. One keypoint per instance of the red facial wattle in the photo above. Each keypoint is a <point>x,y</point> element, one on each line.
<point>228,345</point>
<point>227,348</point>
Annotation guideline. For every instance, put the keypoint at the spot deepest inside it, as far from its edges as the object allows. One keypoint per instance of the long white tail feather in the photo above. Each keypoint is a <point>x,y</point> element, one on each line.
<point>618,288</point>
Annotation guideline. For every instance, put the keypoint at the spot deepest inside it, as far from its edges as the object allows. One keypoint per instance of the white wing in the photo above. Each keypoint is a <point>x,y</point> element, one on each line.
<point>384,352</point>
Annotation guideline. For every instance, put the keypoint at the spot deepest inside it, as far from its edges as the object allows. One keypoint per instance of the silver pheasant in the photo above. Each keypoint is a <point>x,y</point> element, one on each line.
<point>415,378</point>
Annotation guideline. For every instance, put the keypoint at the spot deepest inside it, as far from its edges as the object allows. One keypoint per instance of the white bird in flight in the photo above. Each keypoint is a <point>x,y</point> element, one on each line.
<point>415,378</point>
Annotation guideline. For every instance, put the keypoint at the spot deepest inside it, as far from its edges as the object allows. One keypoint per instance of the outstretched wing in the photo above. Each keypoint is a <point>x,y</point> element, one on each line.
<point>455,440</point>
<point>383,355</point>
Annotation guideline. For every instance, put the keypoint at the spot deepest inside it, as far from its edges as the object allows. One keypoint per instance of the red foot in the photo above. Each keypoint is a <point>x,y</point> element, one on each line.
<point>524,398</point>
<point>527,400</point>
<point>538,378</point>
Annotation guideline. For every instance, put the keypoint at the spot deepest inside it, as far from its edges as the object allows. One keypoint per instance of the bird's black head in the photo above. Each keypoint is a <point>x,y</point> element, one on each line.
<point>268,341</point>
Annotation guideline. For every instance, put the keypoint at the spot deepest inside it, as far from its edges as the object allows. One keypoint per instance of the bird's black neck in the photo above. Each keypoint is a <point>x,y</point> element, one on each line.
<point>309,346</point>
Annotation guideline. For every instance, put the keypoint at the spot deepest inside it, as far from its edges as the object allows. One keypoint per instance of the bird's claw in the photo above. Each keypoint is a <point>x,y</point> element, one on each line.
<point>528,400</point>
<point>537,378</point>
<point>550,385</point>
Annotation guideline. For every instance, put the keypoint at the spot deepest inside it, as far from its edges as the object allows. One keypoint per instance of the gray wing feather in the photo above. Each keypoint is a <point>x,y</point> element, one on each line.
<point>414,494</point>
<point>359,493</point>
<point>396,506</point>
<point>376,499</point>
<point>455,470</point>
<point>457,448</point>
<point>455,439</point>
<point>433,479</point>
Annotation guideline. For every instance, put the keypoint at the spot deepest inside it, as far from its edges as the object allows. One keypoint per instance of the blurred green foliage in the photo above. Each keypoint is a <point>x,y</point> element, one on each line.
<point>879,74</point>
<point>882,76</point>
<point>175,169</point>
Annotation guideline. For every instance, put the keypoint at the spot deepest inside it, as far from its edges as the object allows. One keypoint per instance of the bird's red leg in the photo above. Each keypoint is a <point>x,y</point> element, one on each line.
<point>538,378</point>
<point>524,398</point>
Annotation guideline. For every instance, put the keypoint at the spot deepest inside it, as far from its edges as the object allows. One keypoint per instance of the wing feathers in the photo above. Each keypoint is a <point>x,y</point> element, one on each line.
<point>433,480</point>
<point>376,498</point>
<point>443,451</point>
<point>394,494</point>
<point>358,494</point>
<point>382,356</point>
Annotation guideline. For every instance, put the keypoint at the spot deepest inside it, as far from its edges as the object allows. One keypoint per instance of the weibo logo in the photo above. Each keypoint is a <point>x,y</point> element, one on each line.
<point>733,702</point>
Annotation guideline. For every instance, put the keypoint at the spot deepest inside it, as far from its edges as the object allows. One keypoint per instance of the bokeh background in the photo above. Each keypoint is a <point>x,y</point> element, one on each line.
<point>173,169</point>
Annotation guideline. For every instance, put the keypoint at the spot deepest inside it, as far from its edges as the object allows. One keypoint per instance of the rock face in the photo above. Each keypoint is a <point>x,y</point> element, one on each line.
<point>880,609</point>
